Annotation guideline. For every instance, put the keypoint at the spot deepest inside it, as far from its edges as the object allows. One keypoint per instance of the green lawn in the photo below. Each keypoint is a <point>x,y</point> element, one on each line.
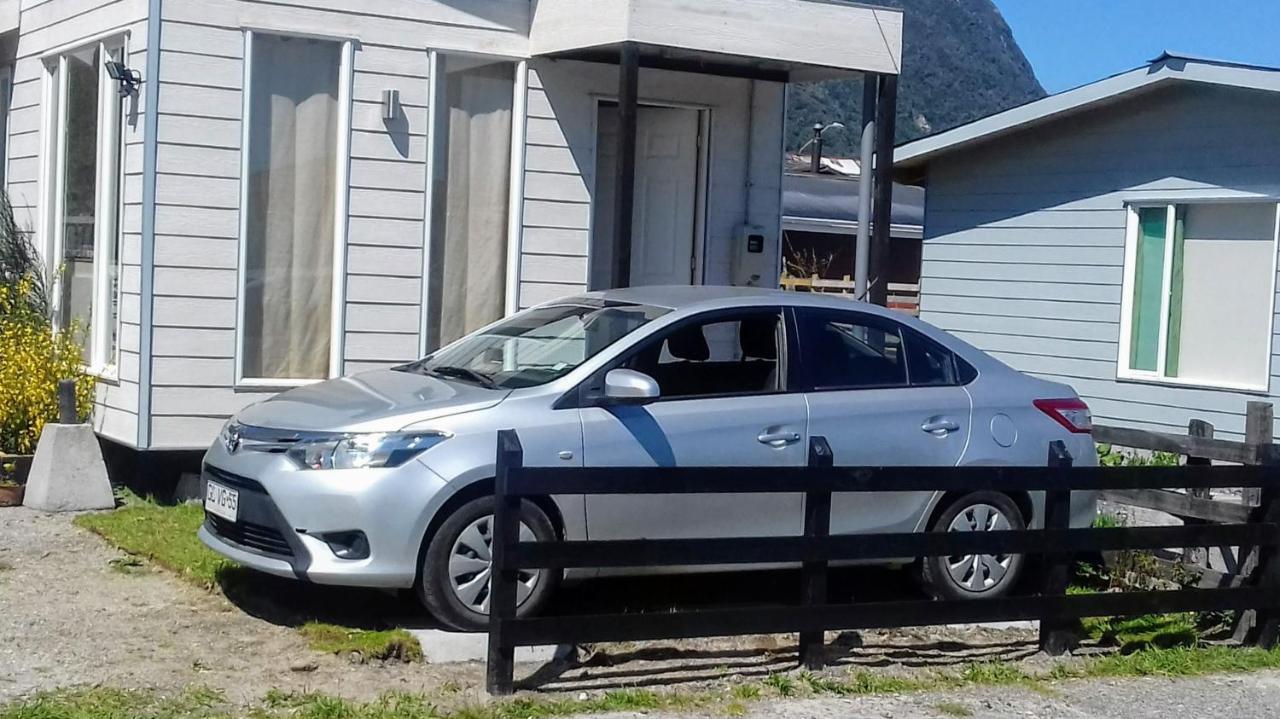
<point>165,535</point>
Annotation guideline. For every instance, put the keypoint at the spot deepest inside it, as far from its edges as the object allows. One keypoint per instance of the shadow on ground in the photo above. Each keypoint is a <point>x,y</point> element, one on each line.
<point>288,602</point>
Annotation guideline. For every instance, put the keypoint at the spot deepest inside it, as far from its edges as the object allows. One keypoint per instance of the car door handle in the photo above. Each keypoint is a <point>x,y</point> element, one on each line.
<point>778,439</point>
<point>940,427</point>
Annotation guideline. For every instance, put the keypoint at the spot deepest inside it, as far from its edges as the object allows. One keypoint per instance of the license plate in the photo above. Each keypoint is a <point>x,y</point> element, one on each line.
<point>221,501</point>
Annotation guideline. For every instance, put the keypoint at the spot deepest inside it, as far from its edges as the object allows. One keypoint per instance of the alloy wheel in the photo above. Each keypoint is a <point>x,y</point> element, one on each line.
<point>471,562</point>
<point>979,572</point>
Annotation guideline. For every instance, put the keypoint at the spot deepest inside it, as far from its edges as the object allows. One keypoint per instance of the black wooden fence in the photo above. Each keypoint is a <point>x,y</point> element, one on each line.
<point>1056,543</point>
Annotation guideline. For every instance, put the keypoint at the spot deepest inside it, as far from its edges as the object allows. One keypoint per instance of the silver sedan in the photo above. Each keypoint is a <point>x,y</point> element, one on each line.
<point>384,479</point>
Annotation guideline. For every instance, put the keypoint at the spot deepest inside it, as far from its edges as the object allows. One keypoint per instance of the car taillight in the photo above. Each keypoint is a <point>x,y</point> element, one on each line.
<point>1073,414</point>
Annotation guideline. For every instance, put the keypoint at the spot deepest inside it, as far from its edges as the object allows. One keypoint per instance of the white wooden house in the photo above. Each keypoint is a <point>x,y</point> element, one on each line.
<point>301,189</point>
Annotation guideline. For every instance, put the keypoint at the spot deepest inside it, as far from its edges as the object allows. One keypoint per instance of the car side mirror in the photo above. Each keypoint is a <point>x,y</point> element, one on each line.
<point>627,386</point>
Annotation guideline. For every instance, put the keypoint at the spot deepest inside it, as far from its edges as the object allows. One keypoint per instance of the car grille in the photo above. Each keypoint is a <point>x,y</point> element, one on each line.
<point>259,526</point>
<point>255,536</point>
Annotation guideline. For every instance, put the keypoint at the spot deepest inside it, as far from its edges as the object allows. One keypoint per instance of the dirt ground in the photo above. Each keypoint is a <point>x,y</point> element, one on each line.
<point>69,618</point>
<point>72,615</point>
<point>1252,695</point>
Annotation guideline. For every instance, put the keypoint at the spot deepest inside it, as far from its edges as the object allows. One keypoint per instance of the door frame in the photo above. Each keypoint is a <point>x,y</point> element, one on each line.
<point>702,181</point>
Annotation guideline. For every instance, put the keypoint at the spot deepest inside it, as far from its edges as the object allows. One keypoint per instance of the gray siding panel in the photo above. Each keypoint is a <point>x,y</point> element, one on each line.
<point>197,218</point>
<point>1024,247</point>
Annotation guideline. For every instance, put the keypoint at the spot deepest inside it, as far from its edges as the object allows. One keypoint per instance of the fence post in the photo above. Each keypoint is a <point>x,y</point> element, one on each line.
<point>813,575</point>
<point>1057,635</point>
<point>67,413</point>
<point>1259,425</point>
<point>500,674</point>
<point>1266,620</point>
<point>1198,556</point>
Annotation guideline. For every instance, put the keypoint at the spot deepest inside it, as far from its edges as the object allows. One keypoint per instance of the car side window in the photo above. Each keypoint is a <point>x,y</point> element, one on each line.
<point>929,364</point>
<point>848,351</point>
<point>735,355</point>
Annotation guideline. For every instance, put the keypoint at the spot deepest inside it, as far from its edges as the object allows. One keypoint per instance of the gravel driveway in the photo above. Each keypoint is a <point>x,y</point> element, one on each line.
<point>69,618</point>
<point>1251,696</point>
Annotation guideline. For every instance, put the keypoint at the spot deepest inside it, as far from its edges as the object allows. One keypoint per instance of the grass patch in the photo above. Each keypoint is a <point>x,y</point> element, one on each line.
<point>1135,633</point>
<point>953,709</point>
<point>106,703</point>
<point>128,565</point>
<point>388,644</point>
<point>163,535</point>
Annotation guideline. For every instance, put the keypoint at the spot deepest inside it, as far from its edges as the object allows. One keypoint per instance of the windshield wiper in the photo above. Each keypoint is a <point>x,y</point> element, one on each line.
<point>462,373</point>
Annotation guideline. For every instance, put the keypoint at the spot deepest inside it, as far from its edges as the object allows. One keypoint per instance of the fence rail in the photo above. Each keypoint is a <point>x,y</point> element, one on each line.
<point>816,549</point>
<point>901,296</point>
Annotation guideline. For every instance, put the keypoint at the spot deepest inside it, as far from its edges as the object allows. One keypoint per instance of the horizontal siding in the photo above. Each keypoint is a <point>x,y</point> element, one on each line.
<point>1024,246</point>
<point>198,220</point>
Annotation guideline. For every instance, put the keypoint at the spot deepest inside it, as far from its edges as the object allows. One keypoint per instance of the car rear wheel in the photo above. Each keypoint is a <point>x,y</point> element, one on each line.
<point>974,576</point>
<point>455,583</point>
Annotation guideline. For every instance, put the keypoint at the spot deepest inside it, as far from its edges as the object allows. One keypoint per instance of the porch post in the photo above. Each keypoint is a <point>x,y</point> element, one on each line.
<point>866,160</point>
<point>886,115</point>
<point>625,184</point>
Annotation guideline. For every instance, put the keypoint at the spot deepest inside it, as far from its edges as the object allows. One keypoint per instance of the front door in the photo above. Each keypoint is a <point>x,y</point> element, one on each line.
<point>664,220</point>
<point>724,403</point>
<point>882,395</point>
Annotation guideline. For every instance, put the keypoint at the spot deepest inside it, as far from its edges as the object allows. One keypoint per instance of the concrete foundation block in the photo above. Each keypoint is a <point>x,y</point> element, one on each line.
<point>67,472</point>
<point>190,488</point>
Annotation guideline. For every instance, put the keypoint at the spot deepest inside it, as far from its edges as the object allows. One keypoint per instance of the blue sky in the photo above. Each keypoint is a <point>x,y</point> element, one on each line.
<point>1073,42</point>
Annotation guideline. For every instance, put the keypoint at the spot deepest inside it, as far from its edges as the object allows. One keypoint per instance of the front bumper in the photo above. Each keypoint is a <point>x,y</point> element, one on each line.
<point>284,514</point>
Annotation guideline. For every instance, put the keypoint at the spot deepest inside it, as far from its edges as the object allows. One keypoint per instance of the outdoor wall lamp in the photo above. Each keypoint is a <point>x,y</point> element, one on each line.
<point>129,79</point>
<point>390,105</point>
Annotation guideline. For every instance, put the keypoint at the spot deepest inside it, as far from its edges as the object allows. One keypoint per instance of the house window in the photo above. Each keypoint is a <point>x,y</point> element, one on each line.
<point>470,194</point>
<point>293,215</point>
<point>1200,280</point>
<point>86,198</point>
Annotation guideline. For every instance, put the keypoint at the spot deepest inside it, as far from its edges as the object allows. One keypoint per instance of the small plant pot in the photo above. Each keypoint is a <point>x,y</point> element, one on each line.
<point>14,469</point>
<point>11,494</point>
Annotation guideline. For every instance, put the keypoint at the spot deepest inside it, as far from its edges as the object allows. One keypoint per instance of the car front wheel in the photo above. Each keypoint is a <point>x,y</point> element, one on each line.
<point>975,576</point>
<point>456,580</point>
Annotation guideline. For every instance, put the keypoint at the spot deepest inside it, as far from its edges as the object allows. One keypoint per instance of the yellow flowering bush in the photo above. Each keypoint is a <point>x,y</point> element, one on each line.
<point>33,358</point>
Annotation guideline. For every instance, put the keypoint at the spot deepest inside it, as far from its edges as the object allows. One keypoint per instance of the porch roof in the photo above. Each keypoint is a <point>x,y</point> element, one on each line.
<point>781,40</point>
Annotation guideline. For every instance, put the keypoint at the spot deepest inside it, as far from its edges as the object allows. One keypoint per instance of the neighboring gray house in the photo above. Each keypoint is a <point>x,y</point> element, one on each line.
<point>1119,237</point>
<point>302,189</point>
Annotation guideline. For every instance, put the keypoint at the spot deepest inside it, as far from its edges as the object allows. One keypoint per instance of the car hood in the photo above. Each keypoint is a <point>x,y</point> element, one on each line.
<point>377,401</point>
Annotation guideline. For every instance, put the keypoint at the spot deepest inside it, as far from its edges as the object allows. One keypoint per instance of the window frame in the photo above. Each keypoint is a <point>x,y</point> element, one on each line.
<point>1124,372</point>
<point>341,218</point>
<point>591,391</point>
<point>436,106</point>
<point>108,193</point>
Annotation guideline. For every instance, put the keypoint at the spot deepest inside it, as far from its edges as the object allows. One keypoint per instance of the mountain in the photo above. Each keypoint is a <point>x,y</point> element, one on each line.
<point>960,62</point>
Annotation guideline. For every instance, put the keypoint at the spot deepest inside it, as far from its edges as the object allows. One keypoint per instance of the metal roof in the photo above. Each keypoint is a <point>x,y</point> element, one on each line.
<point>833,197</point>
<point>1167,68</point>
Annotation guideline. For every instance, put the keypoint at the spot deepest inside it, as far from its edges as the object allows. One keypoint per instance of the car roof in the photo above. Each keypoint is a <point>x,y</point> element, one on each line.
<point>704,297</point>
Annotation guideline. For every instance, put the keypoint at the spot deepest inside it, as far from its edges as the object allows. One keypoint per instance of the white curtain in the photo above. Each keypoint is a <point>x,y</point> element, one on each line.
<point>469,235</point>
<point>292,174</point>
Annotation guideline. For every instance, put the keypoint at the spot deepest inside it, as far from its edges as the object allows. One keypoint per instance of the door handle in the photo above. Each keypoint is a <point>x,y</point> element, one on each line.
<point>940,427</point>
<point>778,439</point>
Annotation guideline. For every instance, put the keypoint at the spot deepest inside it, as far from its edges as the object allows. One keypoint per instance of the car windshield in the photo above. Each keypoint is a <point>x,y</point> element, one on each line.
<point>537,346</point>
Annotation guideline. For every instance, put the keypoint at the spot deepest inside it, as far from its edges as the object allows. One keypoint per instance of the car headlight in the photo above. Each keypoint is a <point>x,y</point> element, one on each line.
<point>360,451</point>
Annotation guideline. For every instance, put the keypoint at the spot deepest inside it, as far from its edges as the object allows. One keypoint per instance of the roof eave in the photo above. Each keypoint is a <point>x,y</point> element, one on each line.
<point>1169,68</point>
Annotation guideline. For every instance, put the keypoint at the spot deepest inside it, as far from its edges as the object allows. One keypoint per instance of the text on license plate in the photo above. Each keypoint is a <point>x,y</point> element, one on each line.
<point>221,501</point>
